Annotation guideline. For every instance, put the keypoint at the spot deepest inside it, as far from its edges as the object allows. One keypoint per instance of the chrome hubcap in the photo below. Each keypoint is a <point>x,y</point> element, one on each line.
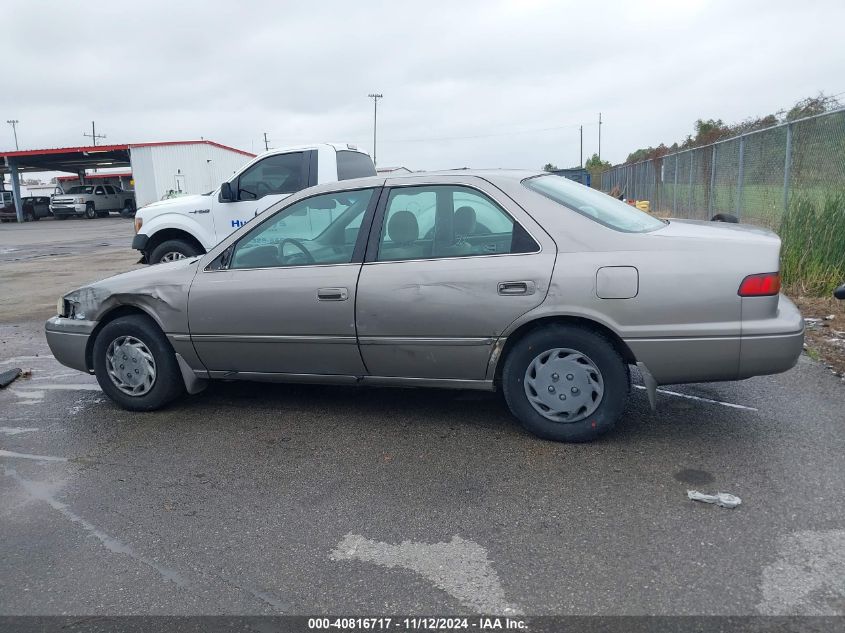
<point>172,256</point>
<point>563,385</point>
<point>131,365</point>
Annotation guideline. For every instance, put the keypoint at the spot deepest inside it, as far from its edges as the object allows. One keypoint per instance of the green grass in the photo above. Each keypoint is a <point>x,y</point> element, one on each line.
<point>813,251</point>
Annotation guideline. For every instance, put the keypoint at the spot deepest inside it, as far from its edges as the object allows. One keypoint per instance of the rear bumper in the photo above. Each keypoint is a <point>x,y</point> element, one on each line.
<point>774,347</point>
<point>68,341</point>
<point>777,348</point>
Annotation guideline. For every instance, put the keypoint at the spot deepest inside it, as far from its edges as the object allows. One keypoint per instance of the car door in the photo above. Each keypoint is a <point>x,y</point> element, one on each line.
<point>449,266</point>
<point>101,202</point>
<point>261,185</point>
<point>281,299</point>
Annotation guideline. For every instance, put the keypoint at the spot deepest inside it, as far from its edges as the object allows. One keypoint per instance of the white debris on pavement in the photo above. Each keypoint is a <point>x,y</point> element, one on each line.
<point>722,499</point>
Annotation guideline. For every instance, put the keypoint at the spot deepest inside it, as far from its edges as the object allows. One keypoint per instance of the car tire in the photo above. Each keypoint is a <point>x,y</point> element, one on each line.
<point>90,211</point>
<point>133,339</point>
<point>171,250</point>
<point>28,217</point>
<point>590,386</point>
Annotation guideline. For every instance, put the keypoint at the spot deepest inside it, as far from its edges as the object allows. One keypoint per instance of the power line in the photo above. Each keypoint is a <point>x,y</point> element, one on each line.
<point>94,136</point>
<point>497,134</point>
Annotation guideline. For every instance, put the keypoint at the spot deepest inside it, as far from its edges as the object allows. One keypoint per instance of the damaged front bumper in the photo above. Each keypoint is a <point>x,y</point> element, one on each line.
<point>68,341</point>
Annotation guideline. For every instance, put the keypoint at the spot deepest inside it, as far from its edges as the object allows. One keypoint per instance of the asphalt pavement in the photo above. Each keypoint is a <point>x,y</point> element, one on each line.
<point>271,499</point>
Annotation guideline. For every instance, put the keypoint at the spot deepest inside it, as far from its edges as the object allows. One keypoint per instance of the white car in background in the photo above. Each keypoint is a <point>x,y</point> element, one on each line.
<point>191,225</point>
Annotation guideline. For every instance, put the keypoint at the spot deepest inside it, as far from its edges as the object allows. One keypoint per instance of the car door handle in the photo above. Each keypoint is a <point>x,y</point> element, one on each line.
<point>332,294</point>
<point>516,288</point>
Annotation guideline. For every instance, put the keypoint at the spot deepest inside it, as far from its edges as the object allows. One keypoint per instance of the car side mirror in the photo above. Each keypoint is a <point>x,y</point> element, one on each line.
<point>226,193</point>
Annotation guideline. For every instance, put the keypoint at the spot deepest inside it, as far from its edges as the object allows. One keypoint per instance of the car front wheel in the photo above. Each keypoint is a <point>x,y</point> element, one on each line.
<point>171,250</point>
<point>90,211</point>
<point>135,364</point>
<point>565,383</point>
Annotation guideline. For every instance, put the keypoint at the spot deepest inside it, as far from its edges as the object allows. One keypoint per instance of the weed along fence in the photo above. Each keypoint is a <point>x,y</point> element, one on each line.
<point>789,177</point>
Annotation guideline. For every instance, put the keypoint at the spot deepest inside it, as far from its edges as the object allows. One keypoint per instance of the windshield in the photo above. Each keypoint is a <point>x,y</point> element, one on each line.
<point>594,204</point>
<point>88,189</point>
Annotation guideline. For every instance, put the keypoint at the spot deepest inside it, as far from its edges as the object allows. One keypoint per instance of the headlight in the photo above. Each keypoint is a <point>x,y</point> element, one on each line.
<point>139,222</point>
<point>80,200</point>
<point>60,307</point>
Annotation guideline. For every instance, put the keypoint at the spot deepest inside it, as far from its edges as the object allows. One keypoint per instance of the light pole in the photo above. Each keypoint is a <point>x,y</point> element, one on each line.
<point>14,124</point>
<point>375,97</point>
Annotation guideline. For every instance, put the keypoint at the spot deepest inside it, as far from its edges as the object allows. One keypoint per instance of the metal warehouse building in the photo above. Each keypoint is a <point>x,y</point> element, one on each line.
<point>158,169</point>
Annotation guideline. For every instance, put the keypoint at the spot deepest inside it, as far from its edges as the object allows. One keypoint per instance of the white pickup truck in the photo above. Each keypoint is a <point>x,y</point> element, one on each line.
<point>190,225</point>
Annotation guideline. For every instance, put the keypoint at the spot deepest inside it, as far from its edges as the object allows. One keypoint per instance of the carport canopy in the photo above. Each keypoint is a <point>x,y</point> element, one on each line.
<point>75,160</point>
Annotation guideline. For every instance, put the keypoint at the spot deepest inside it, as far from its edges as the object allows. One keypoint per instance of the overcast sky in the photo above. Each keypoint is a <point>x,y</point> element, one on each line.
<point>517,77</point>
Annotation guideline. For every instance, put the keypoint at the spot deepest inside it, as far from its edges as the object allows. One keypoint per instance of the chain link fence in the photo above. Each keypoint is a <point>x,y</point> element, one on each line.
<point>755,176</point>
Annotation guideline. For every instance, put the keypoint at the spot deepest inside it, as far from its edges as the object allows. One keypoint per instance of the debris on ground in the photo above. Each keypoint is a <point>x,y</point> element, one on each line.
<point>722,499</point>
<point>824,337</point>
<point>9,376</point>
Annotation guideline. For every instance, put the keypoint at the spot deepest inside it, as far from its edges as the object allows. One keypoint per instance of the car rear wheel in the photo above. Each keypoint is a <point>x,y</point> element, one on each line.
<point>90,211</point>
<point>172,250</point>
<point>135,364</point>
<point>29,216</point>
<point>565,383</point>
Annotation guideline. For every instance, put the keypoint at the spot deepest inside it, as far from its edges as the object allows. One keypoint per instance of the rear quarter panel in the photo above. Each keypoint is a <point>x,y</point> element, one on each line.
<point>686,319</point>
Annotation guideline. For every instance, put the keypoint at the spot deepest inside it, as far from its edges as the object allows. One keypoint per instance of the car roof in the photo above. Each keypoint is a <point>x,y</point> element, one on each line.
<point>447,175</point>
<point>486,174</point>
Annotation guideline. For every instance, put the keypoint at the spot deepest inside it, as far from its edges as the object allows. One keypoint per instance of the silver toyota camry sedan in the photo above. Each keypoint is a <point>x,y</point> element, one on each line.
<point>518,281</point>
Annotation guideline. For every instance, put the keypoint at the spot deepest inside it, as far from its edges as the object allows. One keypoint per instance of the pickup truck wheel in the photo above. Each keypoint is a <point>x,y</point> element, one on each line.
<point>171,250</point>
<point>90,211</point>
<point>565,383</point>
<point>135,364</point>
<point>29,216</point>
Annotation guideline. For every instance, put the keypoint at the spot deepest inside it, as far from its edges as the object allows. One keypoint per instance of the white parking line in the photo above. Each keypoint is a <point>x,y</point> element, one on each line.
<point>37,458</point>
<point>460,567</point>
<point>16,430</point>
<point>39,491</point>
<point>700,399</point>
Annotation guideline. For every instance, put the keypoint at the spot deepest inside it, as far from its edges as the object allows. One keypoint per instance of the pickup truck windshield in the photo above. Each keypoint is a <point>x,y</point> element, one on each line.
<point>597,206</point>
<point>86,189</point>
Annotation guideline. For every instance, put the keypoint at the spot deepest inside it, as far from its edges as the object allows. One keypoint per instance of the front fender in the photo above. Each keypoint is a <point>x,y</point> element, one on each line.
<point>179,222</point>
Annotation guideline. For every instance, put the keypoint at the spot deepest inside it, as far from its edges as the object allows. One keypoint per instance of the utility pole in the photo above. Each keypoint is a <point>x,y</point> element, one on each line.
<point>266,142</point>
<point>94,136</point>
<point>375,97</point>
<point>599,136</point>
<point>14,124</point>
<point>581,155</point>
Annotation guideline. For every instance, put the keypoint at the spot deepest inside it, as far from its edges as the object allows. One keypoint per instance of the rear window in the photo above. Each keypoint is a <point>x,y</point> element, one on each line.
<point>594,204</point>
<point>87,189</point>
<point>354,165</point>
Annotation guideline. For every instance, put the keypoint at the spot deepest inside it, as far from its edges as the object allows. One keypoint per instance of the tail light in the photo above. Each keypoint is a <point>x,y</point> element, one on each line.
<point>760,285</point>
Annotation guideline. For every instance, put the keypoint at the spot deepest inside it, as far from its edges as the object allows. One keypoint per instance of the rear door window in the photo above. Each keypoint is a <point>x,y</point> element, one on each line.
<point>448,221</point>
<point>352,164</point>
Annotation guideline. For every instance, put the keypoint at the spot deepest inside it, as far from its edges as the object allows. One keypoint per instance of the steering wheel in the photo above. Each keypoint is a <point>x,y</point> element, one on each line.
<point>309,258</point>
